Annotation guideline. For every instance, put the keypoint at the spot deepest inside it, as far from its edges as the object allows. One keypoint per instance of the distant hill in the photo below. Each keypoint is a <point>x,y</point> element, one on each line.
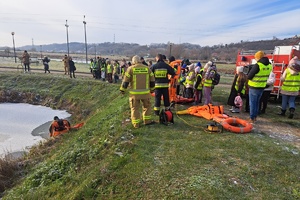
<point>220,52</point>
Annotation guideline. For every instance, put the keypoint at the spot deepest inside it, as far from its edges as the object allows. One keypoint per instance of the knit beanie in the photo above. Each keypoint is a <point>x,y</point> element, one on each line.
<point>258,55</point>
<point>198,64</point>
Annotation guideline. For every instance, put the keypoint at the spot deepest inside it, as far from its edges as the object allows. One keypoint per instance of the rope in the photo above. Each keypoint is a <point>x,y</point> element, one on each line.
<point>186,121</point>
<point>203,128</point>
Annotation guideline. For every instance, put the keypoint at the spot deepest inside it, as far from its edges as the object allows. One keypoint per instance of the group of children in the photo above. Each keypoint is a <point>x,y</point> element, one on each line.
<point>105,69</point>
<point>197,81</point>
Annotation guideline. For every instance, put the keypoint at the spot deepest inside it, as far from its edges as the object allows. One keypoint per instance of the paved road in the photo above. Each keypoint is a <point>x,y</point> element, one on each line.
<point>12,69</point>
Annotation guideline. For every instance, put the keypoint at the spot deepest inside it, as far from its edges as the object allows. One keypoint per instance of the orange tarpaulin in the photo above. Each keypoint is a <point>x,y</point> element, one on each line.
<point>206,111</point>
<point>216,113</point>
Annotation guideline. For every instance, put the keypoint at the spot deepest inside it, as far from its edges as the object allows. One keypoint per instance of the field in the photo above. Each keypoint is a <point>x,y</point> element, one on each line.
<point>108,159</point>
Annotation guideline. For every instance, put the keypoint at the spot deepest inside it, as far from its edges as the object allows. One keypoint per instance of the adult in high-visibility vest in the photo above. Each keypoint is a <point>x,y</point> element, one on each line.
<point>161,70</point>
<point>238,88</point>
<point>290,87</point>
<point>257,81</point>
<point>142,83</point>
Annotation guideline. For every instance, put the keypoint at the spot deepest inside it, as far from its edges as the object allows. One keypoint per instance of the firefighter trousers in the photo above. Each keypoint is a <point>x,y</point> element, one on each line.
<point>159,92</point>
<point>135,104</point>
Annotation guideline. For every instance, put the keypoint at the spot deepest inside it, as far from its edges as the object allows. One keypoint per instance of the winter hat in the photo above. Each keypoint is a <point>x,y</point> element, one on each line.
<point>239,69</point>
<point>207,65</point>
<point>258,55</point>
<point>295,64</point>
<point>198,64</point>
<point>197,69</point>
<point>191,66</point>
<point>294,60</point>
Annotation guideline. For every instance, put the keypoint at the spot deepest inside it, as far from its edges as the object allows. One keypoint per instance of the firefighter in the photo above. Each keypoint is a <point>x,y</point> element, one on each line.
<point>142,83</point>
<point>66,64</point>
<point>290,87</point>
<point>58,125</point>
<point>161,71</point>
<point>257,81</point>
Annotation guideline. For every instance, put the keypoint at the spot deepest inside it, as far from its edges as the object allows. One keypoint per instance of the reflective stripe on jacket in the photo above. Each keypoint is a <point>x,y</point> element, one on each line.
<point>236,87</point>
<point>141,80</point>
<point>291,82</point>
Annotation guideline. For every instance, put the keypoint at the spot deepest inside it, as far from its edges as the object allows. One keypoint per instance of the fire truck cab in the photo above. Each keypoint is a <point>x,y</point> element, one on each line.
<point>279,57</point>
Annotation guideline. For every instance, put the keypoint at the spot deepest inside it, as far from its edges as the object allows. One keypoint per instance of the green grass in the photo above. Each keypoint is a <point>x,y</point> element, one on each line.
<point>108,159</point>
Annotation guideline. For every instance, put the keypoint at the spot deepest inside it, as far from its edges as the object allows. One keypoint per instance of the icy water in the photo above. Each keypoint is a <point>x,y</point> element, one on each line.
<point>24,125</point>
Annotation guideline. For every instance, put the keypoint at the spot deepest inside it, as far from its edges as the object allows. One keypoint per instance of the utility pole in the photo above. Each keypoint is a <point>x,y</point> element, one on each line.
<point>41,48</point>
<point>13,33</point>
<point>67,28</point>
<point>170,54</point>
<point>84,24</point>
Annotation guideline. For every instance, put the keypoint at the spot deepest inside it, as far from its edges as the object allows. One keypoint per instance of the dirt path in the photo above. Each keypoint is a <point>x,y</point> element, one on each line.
<point>277,130</point>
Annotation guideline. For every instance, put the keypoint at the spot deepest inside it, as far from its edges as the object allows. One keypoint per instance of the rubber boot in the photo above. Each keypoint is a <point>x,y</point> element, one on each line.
<point>282,112</point>
<point>291,115</point>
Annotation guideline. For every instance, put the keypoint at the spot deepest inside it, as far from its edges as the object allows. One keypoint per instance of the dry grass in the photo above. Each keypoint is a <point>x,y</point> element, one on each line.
<point>8,170</point>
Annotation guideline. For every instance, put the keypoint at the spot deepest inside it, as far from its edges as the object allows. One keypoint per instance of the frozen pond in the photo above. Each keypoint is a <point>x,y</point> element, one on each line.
<point>24,125</point>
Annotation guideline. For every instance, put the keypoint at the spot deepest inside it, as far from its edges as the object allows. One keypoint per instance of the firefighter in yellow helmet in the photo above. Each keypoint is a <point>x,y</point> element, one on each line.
<point>141,81</point>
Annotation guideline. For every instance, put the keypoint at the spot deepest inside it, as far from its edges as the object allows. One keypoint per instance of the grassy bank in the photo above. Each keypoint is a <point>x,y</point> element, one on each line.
<point>108,159</point>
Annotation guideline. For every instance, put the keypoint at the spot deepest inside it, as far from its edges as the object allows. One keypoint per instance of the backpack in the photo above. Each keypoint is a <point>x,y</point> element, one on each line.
<point>216,78</point>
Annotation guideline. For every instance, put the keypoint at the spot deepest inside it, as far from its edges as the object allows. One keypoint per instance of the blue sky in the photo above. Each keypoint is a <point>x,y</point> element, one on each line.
<point>208,22</point>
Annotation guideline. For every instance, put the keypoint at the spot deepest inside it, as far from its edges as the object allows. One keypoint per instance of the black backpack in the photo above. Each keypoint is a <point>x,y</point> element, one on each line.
<point>216,78</point>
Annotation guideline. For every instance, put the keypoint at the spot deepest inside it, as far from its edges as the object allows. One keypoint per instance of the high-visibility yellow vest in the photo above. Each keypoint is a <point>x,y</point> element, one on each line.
<point>200,86</point>
<point>260,79</point>
<point>291,82</point>
<point>190,82</point>
<point>237,86</point>
<point>207,83</point>
<point>109,68</point>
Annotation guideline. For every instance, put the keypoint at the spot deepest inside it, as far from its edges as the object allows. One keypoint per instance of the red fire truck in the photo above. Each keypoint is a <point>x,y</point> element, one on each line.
<point>279,57</point>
